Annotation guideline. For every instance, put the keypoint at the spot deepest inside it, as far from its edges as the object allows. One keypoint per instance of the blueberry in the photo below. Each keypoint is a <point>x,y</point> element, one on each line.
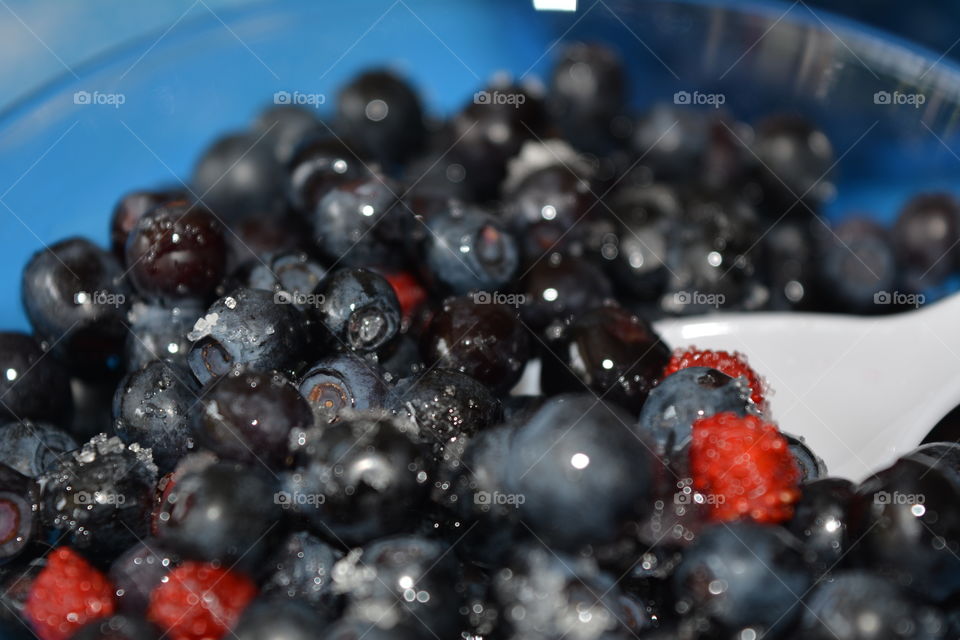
<point>101,494</point>
<point>239,175</point>
<point>820,521</point>
<point>131,207</point>
<point>579,456</point>
<point>137,571</point>
<point>32,448</point>
<point>925,236</point>
<point>553,194</point>
<point>359,309</point>
<point>19,517</point>
<point>118,627</point>
<point>684,397</point>
<point>445,404</point>
<point>278,619</point>
<point>152,407</point>
<point>32,385</point>
<point>672,141</point>
<point>221,512</point>
<point>402,584</point>
<point>177,251</point>
<point>789,265</point>
<point>339,382</point>
<point>294,273</point>
<point>587,89</point>
<point>248,416</point>
<point>857,264</point>
<point>382,113</point>
<point>360,478</point>
<point>908,528</point>
<point>478,337</point>
<point>795,160</point>
<point>247,327</point>
<point>609,351</point>
<point>743,575</point>
<point>857,605</point>
<point>159,332</point>
<point>810,464</point>
<point>284,126</point>
<point>319,163</point>
<point>400,358</point>
<point>75,298</point>
<point>560,286</point>
<point>468,249</point>
<point>258,236</point>
<point>301,569</point>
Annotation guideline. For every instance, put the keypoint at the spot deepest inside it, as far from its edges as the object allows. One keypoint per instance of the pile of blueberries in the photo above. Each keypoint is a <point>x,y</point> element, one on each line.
<point>279,405</point>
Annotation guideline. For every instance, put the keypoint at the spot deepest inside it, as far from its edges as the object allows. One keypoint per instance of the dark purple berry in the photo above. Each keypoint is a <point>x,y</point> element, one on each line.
<point>33,385</point>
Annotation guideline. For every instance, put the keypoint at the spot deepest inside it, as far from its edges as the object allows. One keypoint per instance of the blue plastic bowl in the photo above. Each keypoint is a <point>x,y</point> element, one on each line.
<point>64,163</point>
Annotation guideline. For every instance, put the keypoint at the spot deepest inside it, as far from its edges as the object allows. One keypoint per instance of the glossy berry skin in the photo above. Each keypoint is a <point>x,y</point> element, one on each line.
<point>484,340</point>
<point>19,518</point>
<point>395,567</point>
<point>857,605</point>
<point>32,448</point>
<point>76,299</point>
<point>746,466</point>
<point>467,249</point>
<point>611,352</point>
<point>318,164</point>
<point>256,235</point>
<point>200,601</point>
<point>358,479</point>
<point>733,364</point>
<point>672,140</point>
<point>177,251</point>
<point>118,627</point>
<point>152,407</point>
<point>445,404</point>
<point>246,328</point>
<point>293,273</point>
<point>359,309</point>
<point>559,286</point>
<point>554,194</point>
<point>857,262</point>
<point>67,594</point>
<point>575,455</point>
<point>821,523</point>
<point>239,175</point>
<point>219,513</point>
<point>811,465</point>
<point>342,382</point>
<point>682,398</point>
<point>382,113</point>
<point>159,332</point>
<point>908,527</point>
<point>131,207</point>
<point>33,386</point>
<point>742,574</point>
<point>587,86</point>
<point>925,236</point>
<point>248,417</point>
<point>277,619</point>
<point>361,223</point>
<point>284,126</point>
<point>303,570</point>
<point>138,571</point>
<point>101,494</point>
<point>795,158</point>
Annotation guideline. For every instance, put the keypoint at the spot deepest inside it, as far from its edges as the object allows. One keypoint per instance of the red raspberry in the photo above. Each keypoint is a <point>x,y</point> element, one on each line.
<point>410,293</point>
<point>745,466</point>
<point>67,594</point>
<point>200,601</point>
<point>733,364</point>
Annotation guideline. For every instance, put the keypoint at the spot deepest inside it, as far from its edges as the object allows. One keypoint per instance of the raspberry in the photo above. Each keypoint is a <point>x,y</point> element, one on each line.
<point>745,465</point>
<point>410,293</point>
<point>200,601</point>
<point>67,594</point>
<point>733,364</point>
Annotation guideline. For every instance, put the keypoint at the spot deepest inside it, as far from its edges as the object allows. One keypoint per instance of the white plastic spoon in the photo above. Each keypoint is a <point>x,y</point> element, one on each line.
<point>860,390</point>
